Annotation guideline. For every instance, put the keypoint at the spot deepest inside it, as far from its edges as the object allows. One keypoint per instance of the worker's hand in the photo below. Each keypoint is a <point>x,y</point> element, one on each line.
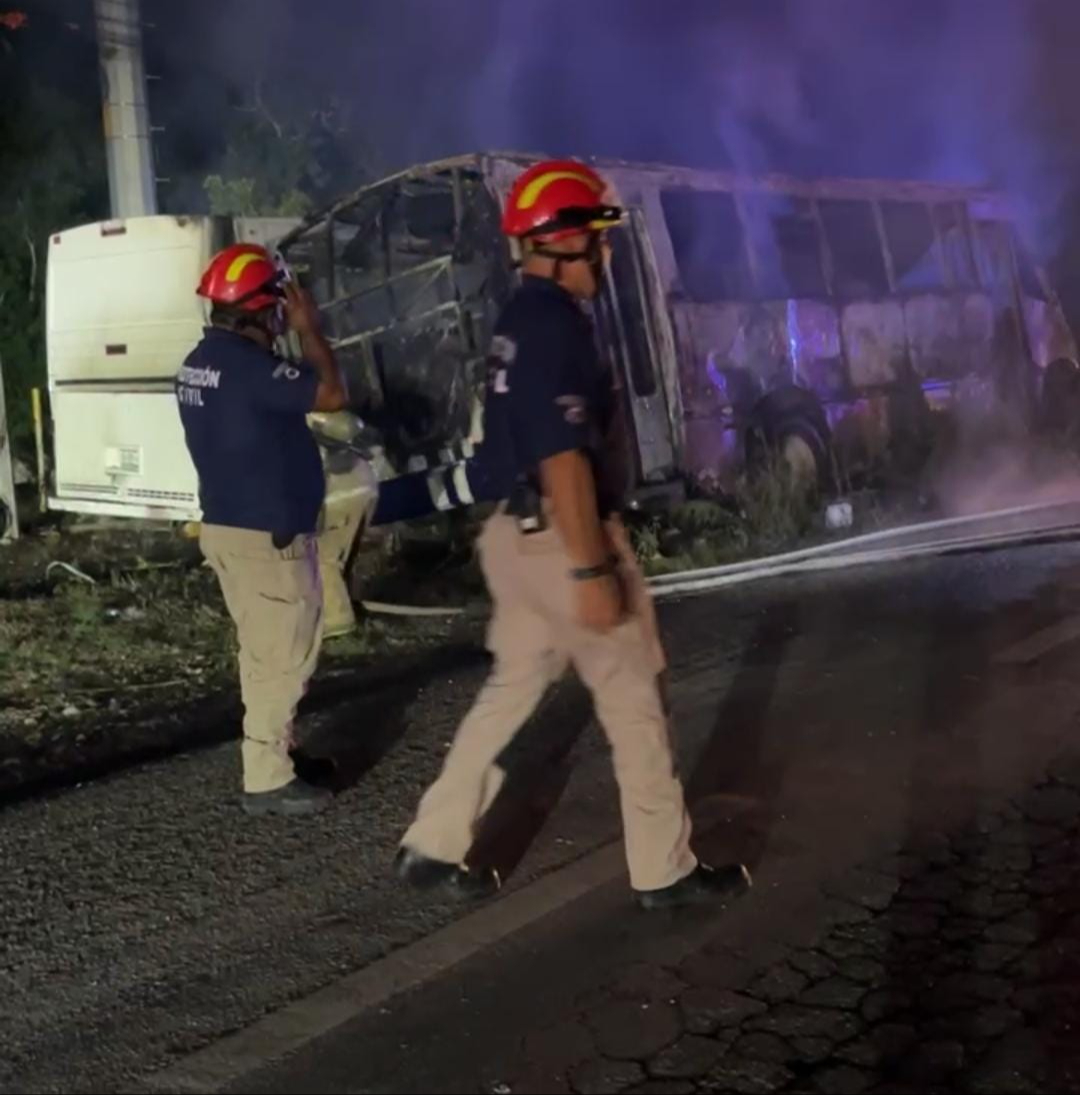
<point>300,309</point>
<point>601,604</point>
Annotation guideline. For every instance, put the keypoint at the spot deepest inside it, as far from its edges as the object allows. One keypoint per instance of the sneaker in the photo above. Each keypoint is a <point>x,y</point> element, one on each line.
<point>296,799</point>
<point>702,885</point>
<point>425,873</point>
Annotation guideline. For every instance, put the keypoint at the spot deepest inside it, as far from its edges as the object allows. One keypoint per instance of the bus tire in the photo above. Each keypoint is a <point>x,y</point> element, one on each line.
<point>789,425</point>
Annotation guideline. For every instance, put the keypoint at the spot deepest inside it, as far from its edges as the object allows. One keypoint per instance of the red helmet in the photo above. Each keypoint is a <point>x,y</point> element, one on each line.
<point>243,276</point>
<point>558,198</point>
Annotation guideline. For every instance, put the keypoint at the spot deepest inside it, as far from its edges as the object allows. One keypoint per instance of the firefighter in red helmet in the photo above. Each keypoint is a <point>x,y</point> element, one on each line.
<point>566,587</point>
<point>261,487</point>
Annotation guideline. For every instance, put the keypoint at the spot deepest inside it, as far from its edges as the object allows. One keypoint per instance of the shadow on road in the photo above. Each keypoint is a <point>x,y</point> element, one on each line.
<point>538,764</point>
<point>355,718</point>
<point>732,765</point>
<point>946,976</point>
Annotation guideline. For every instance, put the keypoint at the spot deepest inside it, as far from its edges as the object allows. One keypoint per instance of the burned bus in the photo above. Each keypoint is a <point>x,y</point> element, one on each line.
<point>819,320</point>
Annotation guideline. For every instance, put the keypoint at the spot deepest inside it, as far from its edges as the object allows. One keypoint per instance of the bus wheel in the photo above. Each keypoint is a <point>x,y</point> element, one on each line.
<point>797,453</point>
<point>788,428</point>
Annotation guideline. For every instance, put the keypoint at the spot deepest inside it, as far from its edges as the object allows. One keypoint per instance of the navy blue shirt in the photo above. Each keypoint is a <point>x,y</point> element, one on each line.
<point>243,410</point>
<point>547,390</point>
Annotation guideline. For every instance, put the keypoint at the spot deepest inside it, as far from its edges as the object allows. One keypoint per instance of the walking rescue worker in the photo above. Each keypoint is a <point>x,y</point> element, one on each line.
<point>261,488</point>
<point>562,575</point>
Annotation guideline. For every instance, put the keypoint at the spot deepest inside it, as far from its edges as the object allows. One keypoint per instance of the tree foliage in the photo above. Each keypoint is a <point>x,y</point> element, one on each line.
<point>280,157</point>
<point>53,177</point>
<point>283,159</point>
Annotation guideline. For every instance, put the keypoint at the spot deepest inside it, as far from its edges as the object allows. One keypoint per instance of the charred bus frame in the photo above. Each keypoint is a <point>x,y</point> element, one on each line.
<point>744,312</point>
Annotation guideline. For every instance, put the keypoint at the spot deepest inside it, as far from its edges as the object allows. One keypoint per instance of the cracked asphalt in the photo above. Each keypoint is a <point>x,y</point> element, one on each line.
<point>949,965</point>
<point>880,744</point>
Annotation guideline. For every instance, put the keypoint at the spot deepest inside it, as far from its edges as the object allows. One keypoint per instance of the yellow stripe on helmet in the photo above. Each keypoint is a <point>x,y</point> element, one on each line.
<point>241,263</point>
<point>530,194</point>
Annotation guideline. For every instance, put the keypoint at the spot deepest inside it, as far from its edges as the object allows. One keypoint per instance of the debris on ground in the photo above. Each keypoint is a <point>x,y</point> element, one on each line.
<point>126,649</point>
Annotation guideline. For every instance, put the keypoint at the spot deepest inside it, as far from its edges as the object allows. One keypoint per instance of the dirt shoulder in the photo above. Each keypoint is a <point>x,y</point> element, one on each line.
<point>125,651</point>
<point>115,645</point>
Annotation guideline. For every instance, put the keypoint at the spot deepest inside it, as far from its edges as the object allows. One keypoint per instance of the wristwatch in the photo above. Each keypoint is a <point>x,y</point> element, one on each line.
<point>601,570</point>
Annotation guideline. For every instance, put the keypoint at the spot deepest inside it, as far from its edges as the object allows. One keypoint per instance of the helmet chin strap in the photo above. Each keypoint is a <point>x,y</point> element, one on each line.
<point>272,328</point>
<point>254,320</point>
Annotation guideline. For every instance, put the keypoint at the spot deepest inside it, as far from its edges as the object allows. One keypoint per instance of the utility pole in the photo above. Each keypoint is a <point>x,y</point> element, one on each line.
<point>130,157</point>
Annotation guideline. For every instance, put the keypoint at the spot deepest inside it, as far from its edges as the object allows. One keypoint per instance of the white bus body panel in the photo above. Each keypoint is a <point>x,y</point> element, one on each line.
<point>121,316</point>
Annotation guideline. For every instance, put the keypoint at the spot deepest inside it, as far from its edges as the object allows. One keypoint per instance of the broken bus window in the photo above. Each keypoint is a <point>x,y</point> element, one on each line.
<point>786,244</point>
<point>707,238</point>
<point>992,253</point>
<point>913,246</point>
<point>951,220</point>
<point>858,265</point>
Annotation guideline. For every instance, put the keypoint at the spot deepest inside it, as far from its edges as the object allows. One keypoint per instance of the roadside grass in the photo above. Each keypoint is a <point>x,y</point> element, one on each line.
<point>152,631</point>
<point>140,641</point>
<point>768,512</point>
<point>166,627</point>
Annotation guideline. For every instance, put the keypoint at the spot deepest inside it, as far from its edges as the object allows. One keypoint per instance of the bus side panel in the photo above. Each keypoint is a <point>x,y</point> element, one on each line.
<point>976,334</point>
<point>123,447</point>
<point>121,301</point>
<point>813,331</point>
<point>1048,333</point>
<point>874,341</point>
<point>736,349</point>
<point>732,353</point>
<point>710,441</point>
<point>933,324</point>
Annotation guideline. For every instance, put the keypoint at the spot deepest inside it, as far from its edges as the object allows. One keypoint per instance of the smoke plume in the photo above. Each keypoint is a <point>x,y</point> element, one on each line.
<point>977,91</point>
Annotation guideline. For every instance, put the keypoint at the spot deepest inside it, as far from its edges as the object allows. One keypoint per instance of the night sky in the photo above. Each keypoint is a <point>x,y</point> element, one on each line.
<point>971,90</point>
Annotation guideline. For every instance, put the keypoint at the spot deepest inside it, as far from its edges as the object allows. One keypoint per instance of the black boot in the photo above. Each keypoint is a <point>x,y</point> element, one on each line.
<point>425,873</point>
<point>296,799</point>
<point>704,884</point>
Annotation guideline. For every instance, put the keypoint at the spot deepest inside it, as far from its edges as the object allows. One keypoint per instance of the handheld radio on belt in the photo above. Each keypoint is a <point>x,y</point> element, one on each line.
<point>526,506</point>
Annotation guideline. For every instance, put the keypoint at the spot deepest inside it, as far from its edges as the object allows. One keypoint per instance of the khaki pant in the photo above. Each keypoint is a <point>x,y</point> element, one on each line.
<point>275,601</point>
<point>350,498</point>
<point>534,636</point>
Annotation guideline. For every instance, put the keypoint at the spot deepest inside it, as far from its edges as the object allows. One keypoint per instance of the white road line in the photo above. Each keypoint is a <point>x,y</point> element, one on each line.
<point>286,1030</point>
<point>686,582</point>
<point>1041,642</point>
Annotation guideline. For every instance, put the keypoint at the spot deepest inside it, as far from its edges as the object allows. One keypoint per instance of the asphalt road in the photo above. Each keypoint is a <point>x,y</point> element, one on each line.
<point>143,917</point>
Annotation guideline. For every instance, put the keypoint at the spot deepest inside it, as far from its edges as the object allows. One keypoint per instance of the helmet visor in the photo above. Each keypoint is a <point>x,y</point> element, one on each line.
<point>580,218</point>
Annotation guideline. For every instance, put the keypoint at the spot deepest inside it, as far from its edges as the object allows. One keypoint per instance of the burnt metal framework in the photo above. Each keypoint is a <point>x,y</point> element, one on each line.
<point>874,193</point>
<point>409,273</point>
<point>908,326</point>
